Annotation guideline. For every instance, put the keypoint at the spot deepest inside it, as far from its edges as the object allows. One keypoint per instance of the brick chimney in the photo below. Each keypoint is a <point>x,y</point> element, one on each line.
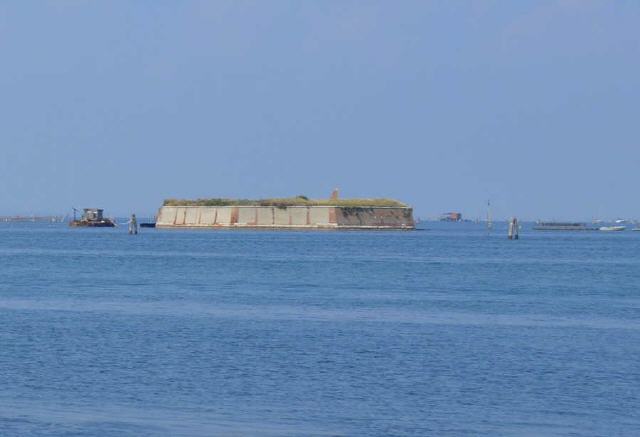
<point>334,194</point>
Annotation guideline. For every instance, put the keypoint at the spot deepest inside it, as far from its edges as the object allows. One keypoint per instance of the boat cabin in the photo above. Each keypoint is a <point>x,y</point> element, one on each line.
<point>92,214</point>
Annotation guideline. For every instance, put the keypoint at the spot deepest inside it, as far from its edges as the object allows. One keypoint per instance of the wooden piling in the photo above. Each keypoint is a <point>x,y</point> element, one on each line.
<point>133,225</point>
<point>513,229</point>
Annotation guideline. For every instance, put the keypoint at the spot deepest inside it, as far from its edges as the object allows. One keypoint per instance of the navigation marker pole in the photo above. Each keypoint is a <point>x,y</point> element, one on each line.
<point>489,222</point>
<point>513,229</point>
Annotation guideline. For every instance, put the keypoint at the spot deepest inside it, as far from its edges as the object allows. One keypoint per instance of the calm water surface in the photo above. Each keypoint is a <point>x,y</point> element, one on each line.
<point>445,331</point>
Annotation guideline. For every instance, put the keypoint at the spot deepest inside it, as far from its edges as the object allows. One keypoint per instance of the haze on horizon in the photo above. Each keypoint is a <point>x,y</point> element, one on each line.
<point>443,105</point>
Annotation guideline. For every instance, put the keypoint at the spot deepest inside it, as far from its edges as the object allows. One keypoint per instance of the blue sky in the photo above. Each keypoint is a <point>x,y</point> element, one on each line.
<point>119,104</point>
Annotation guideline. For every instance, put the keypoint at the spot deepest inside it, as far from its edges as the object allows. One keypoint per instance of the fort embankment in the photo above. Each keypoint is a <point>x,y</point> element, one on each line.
<point>286,214</point>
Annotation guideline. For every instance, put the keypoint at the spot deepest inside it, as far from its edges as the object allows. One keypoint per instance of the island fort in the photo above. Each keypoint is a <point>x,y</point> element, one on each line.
<point>286,213</point>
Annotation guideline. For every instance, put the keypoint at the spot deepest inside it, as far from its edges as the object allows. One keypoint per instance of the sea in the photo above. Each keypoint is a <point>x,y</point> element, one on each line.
<point>444,331</point>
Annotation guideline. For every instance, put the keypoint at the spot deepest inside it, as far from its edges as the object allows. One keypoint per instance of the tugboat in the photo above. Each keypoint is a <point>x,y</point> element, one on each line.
<point>91,218</point>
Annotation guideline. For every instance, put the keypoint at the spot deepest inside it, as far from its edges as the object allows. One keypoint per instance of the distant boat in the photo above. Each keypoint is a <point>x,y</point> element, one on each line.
<point>562,226</point>
<point>635,229</point>
<point>613,228</point>
<point>91,218</point>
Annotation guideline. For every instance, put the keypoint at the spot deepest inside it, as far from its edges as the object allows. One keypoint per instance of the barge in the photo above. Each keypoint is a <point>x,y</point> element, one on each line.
<point>563,226</point>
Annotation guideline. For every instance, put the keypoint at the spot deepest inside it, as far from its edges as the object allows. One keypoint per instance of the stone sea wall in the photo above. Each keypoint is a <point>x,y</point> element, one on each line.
<point>304,217</point>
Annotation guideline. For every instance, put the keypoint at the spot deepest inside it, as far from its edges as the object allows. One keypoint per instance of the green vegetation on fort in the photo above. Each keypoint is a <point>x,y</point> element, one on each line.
<point>287,201</point>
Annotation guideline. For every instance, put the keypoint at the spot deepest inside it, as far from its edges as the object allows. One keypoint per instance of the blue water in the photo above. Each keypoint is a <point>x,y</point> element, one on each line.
<point>445,331</point>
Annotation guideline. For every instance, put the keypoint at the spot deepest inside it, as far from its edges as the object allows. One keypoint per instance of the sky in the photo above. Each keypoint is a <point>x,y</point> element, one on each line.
<point>444,105</point>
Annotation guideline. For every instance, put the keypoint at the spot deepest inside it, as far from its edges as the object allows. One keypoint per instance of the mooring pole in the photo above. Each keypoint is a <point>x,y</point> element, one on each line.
<point>513,229</point>
<point>133,225</point>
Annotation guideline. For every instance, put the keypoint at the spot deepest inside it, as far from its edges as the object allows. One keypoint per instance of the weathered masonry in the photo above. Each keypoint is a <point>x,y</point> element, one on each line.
<point>286,217</point>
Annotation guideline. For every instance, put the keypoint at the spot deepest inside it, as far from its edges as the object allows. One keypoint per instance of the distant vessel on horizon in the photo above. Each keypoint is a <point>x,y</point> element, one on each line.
<point>91,218</point>
<point>562,226</point>
<point>612,228</point>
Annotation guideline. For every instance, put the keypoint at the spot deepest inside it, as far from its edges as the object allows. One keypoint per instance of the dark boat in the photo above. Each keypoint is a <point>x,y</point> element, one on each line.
<point>562,226</point>
<point>147,225</point>
<point>92,218</point>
